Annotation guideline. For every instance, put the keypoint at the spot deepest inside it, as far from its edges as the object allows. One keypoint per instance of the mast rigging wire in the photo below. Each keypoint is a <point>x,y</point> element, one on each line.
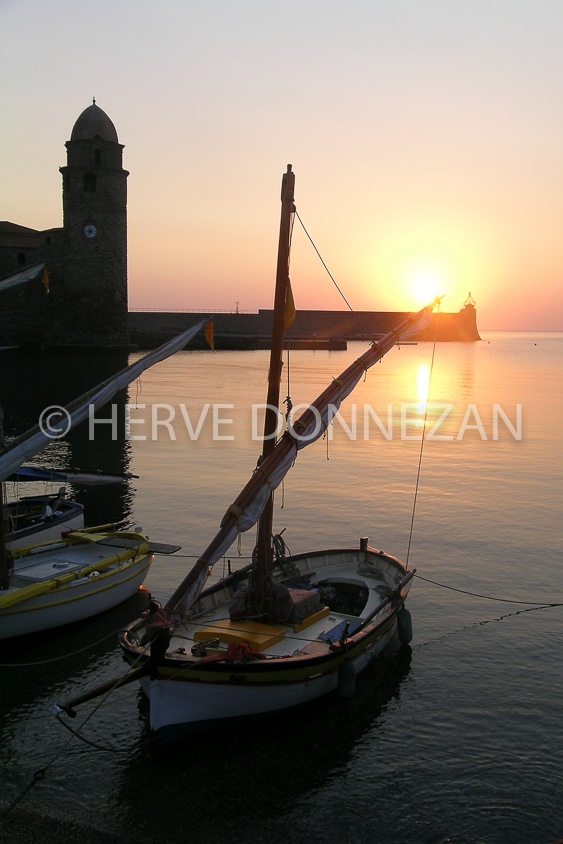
<point>423,438</point>
<point>322,262</point>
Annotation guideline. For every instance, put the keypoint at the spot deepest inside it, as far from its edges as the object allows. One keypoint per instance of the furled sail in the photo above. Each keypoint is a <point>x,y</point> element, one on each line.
<point>27,445</point>
<point>32,474</point>
<point>246,510</point>
<point>22,277</point>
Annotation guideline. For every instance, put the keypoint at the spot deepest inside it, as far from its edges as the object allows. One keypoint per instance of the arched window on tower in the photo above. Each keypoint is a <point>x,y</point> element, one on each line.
<point>97,156</point>
<point>89,182</point>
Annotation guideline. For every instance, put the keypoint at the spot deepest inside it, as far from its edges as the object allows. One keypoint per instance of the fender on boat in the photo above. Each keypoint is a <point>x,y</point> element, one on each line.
<point>404,626</point>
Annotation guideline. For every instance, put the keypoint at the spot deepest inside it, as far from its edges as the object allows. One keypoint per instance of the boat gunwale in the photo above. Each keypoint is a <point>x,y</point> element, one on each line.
<point>334,653</point>
<point>76,576</point>
<point>83,536</point>
<point>242,573</point>
<point>68,591</point>
<point>261,673</point>
<point>73,510</point>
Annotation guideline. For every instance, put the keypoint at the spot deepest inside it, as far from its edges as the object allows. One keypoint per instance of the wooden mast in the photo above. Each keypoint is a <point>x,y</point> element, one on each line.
<point>4,568</point>
<point>264,541</point>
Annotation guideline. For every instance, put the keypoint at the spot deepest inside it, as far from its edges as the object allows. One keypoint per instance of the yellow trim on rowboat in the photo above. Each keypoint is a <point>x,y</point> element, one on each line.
<point>41,607</point>
<point>35,589</point>
<point>76,537</point>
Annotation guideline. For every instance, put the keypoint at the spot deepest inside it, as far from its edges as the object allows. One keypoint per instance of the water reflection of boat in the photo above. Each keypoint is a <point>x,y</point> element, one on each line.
<point>314,753</point>
<point>83,572</point>
<point>287,630</point>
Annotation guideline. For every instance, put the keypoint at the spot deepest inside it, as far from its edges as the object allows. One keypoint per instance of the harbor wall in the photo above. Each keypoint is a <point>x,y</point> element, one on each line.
<point>27,319</point>
<point>148,329</point>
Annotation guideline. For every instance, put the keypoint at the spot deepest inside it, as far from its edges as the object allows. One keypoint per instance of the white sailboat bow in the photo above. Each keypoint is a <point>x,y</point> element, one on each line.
<point>47,583</point>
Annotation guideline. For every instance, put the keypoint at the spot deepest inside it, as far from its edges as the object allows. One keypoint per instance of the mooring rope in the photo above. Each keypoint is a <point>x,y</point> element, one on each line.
<point>59,658</point>
<point>422,440</point>
<point>490,597</point>
<point>40,772</point>
<point>93,744</point>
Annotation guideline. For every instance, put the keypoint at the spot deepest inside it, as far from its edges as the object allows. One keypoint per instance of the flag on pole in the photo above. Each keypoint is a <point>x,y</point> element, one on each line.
<point>209,335</point>
<point>46,279</point>
<point>289,306</point>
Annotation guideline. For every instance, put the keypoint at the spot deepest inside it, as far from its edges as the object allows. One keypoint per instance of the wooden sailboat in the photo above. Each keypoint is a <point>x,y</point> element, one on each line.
<point>32,519</point>
<point>285,630</point>
<point>35,518</point>
<point>61,582</point>
<point>83,572</point>
<point>41,518</point>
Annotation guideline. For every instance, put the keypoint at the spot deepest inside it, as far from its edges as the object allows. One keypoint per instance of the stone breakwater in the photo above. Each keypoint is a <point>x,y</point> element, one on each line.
<point>28,322</point>
<point>311,329</point>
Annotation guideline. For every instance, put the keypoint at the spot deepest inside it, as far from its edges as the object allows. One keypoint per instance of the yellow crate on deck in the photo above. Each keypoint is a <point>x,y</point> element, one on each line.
<point>259,636</point>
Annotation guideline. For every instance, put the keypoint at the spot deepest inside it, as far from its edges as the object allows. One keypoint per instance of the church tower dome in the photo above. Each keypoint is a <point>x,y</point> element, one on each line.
<point>92,123</point>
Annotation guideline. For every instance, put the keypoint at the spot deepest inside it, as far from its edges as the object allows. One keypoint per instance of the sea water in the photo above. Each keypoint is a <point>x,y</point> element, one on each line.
<point>453,739</point>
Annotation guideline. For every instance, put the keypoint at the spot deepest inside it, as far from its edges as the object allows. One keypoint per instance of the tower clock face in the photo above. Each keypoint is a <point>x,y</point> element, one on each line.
<point>90,230</point>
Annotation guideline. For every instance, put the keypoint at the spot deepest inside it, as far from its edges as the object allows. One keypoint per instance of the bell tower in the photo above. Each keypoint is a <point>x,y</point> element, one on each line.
<point>92,306</point>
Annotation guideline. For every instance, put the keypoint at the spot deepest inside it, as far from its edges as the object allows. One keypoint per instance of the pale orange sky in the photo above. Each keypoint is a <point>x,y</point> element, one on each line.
<point>425,136</point>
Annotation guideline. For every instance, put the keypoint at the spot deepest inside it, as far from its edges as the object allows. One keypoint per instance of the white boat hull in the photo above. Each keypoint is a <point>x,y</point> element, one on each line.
<point>46,533</point>
<point>76,603</point>
<point>177,711</point>
<point>31,525</point>
<point>86,586</point>
<point>299,663</point>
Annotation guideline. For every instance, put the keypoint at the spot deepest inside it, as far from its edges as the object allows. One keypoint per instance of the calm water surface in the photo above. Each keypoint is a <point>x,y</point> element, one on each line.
<point>453,740</point>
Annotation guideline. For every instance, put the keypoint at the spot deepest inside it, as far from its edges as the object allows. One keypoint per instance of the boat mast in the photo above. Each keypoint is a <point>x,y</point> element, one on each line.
<point>265,524</point>
<point>4,568</point>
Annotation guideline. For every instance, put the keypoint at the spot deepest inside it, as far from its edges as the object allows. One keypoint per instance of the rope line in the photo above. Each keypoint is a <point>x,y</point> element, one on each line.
<point>40,772</point>
<point>59,658</point>
<point>93,744</point>
<point>322,262</point>
<point>422,440</point>
<point>197,556</point>
<point>490,597</point>
<point>477,624</point>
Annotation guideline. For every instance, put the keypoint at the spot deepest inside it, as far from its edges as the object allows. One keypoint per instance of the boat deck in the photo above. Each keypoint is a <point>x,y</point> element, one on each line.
<point>316,632</point>
<point>52,561</point>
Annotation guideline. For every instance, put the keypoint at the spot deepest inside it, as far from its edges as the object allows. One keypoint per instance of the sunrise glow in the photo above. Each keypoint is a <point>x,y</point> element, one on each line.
<point>422,383</point>
<point>424,275</point>
<point>422,388</point>
<point>424,286</point>
<point>417,164</point>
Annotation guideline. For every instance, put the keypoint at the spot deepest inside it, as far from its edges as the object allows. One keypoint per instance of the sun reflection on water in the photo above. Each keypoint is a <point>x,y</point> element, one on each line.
<point>422,389</point>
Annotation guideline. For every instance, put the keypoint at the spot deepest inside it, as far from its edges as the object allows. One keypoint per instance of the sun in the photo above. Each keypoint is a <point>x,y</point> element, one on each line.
<point>424,285</point>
